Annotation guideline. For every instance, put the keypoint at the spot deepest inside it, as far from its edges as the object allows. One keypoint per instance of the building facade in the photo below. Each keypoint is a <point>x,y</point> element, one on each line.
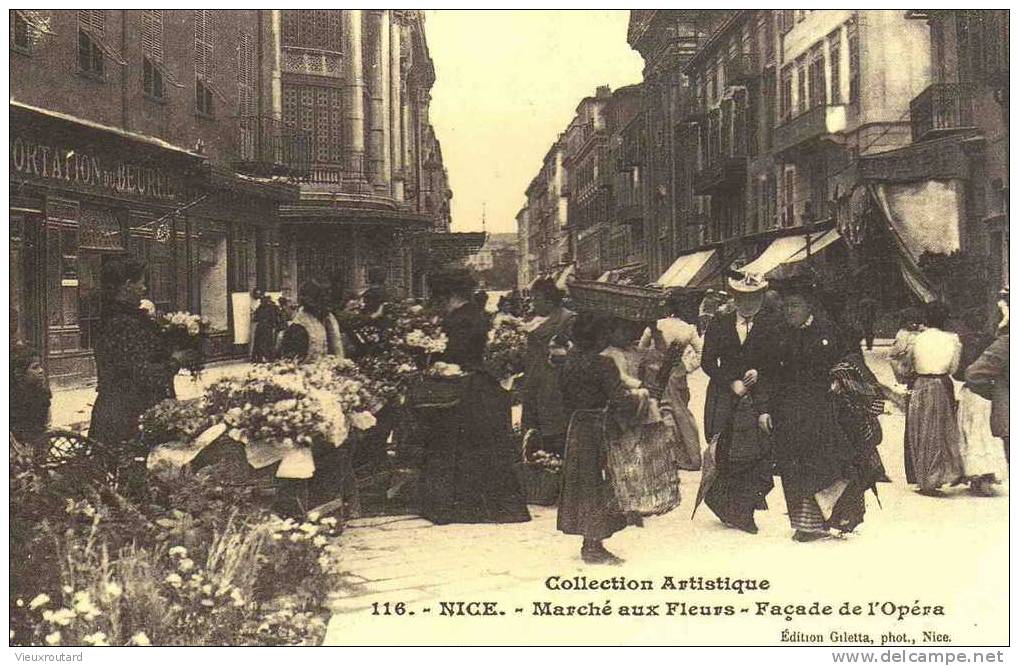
<point>223,148</point>
<point>549,242</point>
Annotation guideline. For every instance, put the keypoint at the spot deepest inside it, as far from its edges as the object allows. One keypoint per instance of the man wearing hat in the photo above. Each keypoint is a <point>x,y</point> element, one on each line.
<point>734,345</point>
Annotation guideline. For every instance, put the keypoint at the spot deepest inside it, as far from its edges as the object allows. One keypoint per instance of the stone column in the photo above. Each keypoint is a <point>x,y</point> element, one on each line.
<point>396,107</point>
<point>377,74</point>
<point>275,56</point>
<point>354,102</point>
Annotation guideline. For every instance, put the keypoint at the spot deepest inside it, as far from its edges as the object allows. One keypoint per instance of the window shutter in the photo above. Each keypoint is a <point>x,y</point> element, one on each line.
<point>152,33</point>
<point>203,43</point>
<point>93,21</point>
<point>245,76</point>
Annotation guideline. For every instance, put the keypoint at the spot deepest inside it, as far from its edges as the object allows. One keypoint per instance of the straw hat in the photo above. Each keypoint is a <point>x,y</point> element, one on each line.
<point>746,283</point>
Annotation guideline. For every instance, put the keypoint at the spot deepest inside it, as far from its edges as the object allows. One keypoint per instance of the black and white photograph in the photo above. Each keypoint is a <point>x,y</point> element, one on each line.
<point>519,327</point>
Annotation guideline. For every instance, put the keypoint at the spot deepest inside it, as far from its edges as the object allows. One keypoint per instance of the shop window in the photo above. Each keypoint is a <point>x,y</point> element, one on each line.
<point>212,278</point>
<point>152,79</point>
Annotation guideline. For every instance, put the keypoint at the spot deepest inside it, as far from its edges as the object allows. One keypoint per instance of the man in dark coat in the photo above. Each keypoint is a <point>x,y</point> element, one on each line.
<point>735,345</point>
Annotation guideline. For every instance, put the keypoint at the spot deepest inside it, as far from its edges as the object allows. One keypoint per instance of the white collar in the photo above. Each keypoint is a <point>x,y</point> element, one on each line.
<point>810,320</point>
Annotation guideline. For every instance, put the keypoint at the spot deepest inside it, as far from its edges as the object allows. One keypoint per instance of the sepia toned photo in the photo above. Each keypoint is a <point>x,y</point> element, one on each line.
<point>449,327</point>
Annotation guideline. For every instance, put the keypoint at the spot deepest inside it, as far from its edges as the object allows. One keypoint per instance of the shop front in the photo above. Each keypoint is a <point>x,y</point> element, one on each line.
<point>82,194</point>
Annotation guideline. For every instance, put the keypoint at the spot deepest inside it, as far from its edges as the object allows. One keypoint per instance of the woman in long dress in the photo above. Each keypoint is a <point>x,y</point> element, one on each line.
<point>462,422</point>
<point>543,416</point>
<point>816,460</point>
<point>932,430</point>
<point>134,366</point>
<point>900,358</point>
<point>593,393</point>
<point>678,346</point>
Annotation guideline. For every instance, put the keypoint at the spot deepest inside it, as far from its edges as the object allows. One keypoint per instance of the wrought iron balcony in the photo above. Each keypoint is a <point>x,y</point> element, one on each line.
<point>266,148</point>
<point>721,173</point>
<point>740,69</point>
<point>822,122</point>
<point>941,108</point>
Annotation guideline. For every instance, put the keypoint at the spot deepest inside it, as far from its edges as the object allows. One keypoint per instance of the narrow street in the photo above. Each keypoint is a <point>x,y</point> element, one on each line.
<point>403,559</point>
<point>909,543</point>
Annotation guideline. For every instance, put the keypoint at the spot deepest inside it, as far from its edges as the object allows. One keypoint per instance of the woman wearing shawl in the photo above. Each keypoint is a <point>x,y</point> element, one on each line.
<point>816,459</point>
<point>596,398</point>
<point>543,417</point>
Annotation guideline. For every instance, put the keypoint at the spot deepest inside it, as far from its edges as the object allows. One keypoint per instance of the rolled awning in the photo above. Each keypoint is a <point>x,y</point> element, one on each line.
<point>781,251</point>
<point>688,270</point>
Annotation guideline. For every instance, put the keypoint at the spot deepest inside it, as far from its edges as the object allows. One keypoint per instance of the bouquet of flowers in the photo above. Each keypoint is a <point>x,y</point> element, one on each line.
<point>186,332</point>
<point>548,461</point>
<point>416,333</point>
<point>504,355</point>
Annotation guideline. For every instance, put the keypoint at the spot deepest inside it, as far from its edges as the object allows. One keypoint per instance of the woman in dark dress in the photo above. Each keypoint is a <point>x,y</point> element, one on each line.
<point>463,423</point>
<point>820,466</point>
<point>134,367</point>
<point>268,320</point>
<point>592,389</point>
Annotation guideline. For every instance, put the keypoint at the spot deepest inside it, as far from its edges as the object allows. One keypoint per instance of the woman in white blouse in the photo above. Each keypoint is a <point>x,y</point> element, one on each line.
<point>932,431</point>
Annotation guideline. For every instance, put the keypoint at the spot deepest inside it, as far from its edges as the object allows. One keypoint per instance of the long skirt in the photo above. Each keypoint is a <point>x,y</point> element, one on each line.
<point>745,471</point>
<point>467,457</point>
<point>587,503</point>
<point>982,453</point>
<point>840,506</point>
<point>688,438</point>
<point>932,433</point>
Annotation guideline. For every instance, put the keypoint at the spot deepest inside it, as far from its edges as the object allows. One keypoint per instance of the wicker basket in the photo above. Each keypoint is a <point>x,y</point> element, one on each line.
<point>540,485</point>
<point>619,300</point>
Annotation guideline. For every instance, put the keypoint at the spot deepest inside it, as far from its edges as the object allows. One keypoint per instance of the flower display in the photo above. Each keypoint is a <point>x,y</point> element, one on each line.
<point>547,460</point>
<point>186,332</point>
<point>507,344</point>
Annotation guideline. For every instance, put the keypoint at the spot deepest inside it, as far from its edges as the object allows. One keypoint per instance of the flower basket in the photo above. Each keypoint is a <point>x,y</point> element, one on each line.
<point>540,484</point>
<point>619,300</point>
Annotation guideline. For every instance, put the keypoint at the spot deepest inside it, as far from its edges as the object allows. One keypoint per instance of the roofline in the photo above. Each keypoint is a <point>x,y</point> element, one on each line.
<point>713,39</point>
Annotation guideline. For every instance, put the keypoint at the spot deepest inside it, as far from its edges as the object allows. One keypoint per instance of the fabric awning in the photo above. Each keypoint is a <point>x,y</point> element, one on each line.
<point>923,217</point>
<point>781,251</point>
<point>688,270</point>
<point>826,239</point>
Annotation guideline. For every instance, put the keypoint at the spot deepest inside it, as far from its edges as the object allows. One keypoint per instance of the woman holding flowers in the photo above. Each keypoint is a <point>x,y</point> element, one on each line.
<point>134,368</point>
<point>462,421</point>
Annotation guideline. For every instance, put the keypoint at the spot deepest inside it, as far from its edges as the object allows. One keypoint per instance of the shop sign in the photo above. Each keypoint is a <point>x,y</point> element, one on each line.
<point>60,163</point>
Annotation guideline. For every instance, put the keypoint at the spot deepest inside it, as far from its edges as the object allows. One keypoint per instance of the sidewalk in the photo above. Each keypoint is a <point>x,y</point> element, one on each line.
<point>72,408</point>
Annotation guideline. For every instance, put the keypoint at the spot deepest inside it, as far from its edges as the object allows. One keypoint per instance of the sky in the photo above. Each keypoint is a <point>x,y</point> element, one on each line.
<point>507,83</point>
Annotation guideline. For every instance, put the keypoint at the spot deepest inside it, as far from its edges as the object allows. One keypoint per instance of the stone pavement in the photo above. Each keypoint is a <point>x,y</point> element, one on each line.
<point>952,551</point>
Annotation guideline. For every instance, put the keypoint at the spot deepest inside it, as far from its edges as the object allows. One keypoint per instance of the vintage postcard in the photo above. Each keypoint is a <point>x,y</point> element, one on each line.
<point>446,327</point>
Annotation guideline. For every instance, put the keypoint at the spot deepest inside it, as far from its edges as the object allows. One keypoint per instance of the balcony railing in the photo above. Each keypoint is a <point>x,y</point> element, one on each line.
<point>819,122</point>
<point>266,148</point>
<point>740,69</point>
<point>940,108</point>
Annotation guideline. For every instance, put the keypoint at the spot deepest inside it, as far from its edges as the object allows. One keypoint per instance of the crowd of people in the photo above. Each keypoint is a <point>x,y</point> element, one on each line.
<point>789,394</point>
